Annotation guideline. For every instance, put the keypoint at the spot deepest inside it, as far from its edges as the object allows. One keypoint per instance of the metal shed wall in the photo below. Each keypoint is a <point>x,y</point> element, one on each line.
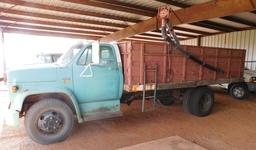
<point>192,42</point>
<point>238,40</point>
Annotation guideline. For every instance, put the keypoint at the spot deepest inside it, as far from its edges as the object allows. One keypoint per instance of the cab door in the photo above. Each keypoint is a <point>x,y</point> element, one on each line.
<point>97,85</point>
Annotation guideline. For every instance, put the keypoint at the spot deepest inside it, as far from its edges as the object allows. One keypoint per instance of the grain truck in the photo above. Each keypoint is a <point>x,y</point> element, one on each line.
<point>90,82</point>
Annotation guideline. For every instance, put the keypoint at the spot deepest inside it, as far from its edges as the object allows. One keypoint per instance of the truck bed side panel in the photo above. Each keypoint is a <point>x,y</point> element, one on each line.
<point>173,67</point>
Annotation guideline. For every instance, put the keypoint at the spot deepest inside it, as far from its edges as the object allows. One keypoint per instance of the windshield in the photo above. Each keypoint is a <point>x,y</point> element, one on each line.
<point>70,54</point>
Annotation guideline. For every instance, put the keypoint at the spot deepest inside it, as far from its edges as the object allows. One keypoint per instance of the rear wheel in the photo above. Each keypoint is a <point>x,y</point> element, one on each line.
<point>186,98</point>
<point>198,101</point>
<point>49,121</point>
<point>239,91</point>
<point>202,102</point>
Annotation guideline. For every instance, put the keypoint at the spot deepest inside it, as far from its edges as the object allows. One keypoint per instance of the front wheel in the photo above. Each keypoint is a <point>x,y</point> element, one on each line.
<point>239,91</point>
<point>49,121</point>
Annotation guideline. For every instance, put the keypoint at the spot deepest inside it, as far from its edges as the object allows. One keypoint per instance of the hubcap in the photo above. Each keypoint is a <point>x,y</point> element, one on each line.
<point>238,92</point>
<point>50,122</point>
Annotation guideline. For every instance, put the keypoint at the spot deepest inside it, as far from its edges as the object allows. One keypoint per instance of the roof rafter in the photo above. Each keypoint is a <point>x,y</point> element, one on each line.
<point>36,27</point>
<point>239,20</point>
<point>215,26</point>
<point>48,33</point>
<point>128,5</point>
<point>67,10</point>
<point>113,6</point>
<point>50,23</point>
<point>174,3</point>
<point>47,16</point>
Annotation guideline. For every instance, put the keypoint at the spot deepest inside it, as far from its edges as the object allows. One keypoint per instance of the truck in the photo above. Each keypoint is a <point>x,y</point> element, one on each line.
<point>243,91</point>
<point>91,81</point>
<point>48,57</point>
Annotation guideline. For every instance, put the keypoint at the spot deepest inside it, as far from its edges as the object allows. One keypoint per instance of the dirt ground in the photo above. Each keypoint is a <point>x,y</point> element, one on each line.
<point>232,125</point>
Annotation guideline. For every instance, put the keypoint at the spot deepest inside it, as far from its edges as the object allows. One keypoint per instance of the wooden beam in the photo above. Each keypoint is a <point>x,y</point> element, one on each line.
<point>240,20</point>
<point>112,6</point>
<point>19,23</point>
<point>53,31</point>
<point>130,6</point>
<point>48,16</point>
<point>191,14</point>
<point>48,33</point>
<point>56,29</point>
<point>191,30</point>
<point>68,10</point>
<point>174,3</point>
<point>215,26</point>
<point>66,35</point>
<point>58,24</point>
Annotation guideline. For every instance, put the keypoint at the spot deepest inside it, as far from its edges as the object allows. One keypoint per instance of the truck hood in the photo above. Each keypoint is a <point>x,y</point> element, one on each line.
<point>33,73</point>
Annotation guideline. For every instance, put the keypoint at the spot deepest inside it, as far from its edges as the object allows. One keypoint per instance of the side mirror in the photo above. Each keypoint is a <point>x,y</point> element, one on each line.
<point>96,52</point>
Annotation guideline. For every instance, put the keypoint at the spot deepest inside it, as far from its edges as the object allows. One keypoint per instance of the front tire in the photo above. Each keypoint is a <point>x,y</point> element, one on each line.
<point>239,91</point>
<point>49,121</point>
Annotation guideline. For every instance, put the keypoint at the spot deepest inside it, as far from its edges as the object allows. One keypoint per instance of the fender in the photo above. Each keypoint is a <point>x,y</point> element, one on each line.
<point>21,96</point>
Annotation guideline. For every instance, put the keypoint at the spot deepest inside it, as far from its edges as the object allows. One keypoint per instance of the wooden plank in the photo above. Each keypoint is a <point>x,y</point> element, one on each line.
<point>195,13</point>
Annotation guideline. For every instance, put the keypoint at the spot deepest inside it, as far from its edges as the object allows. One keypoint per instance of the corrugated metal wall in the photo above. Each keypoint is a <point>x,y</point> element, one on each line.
<point>189,42</point>
<point>240,40</point>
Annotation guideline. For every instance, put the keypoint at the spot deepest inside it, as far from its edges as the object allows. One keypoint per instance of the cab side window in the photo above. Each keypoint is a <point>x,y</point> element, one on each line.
<point>86,57</point>
<point>106,55</point>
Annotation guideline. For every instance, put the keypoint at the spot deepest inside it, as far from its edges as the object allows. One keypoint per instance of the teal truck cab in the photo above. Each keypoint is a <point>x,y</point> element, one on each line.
<point>83,82</point>
<point>88,83</point>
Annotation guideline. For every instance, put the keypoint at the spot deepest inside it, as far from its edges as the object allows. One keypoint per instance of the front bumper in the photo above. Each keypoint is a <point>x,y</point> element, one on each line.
<point>11,118</point>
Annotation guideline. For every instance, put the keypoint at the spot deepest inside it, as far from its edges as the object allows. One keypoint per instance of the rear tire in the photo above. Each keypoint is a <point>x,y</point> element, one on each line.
<point>201,102</point>
<point>49,121</point>
<point>239,91</point>
<point>186,99</point>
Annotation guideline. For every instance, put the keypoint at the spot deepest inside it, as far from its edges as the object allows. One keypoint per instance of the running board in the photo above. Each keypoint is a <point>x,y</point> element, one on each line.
<point>100,116</point>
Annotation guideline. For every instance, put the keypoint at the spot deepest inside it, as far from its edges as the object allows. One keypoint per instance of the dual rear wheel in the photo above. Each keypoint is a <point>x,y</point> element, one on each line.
<point>198,101</point>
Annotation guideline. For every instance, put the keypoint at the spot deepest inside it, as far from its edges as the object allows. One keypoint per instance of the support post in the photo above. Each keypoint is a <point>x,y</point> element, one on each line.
<point>3,55</point>
<point>199,40</point>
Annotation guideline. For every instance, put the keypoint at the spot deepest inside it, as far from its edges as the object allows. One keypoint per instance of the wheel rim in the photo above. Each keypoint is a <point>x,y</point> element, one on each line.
<point>50,122</point>
<point>205,103</point>
<point>238,92</point>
